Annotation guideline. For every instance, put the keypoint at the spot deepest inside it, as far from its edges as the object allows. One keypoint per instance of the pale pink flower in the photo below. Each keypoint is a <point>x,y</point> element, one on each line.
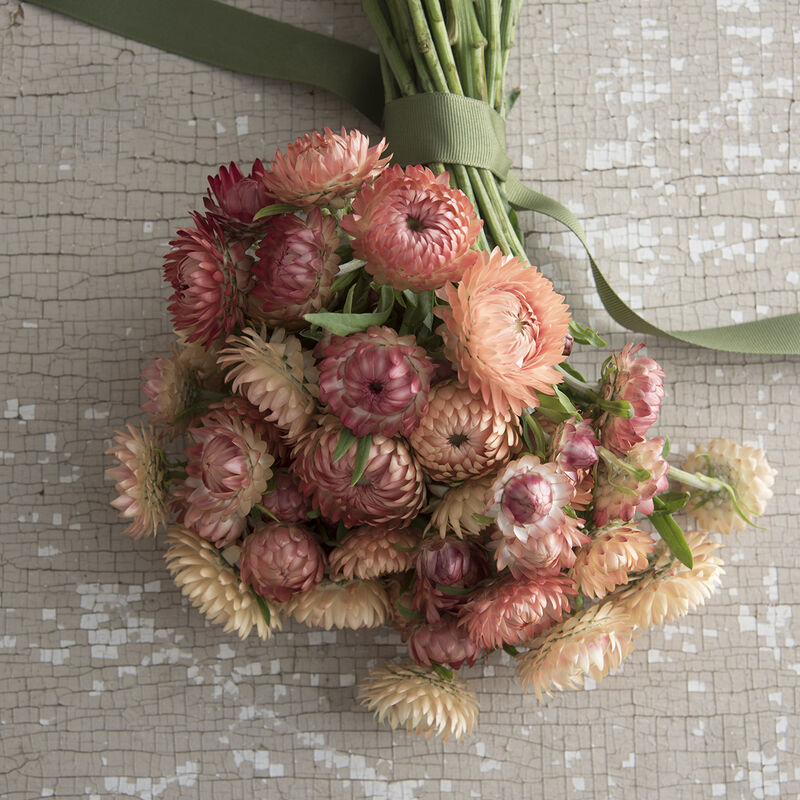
<point>285,500</point>
<point>236,199</point>
<point>619,494</point>
<point>324,168</point>
<point>222,528</point>
<point>413,230</point>
<point>442,642</point>
<point>573,447</point>
<point>511,612</point>
<point>279,560</point>
<point>296,263</point>
<point>211,277</point>
<point>375,381</point>
<point>390,492</point>
<point>639,382</point>
<point>504,331</point>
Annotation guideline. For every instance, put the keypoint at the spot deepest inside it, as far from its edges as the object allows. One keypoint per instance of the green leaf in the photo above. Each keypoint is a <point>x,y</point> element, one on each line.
<point>572,371</point>
<point>264,608</point>
<point>556,407</point>
<point>345,442</point>
<point>483,519</point>
<point>535,433</point>
<point>362,457</point>
<point>454,591</point>
<point>670,502</point>
<point>445,673</point>
<point>274,210</point>
<point>510,649</point>
<point>345,253</point>
<point>585,335</point>
<point>512,97</point>
<point>344,280</point>
<point>671,533</point>
<point>345,324</point>
<point>407,612</point>
<point>665,448</point>
<point>347,308</point>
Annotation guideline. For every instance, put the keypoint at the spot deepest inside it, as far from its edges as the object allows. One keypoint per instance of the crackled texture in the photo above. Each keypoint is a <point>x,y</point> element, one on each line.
<point>673,132</point>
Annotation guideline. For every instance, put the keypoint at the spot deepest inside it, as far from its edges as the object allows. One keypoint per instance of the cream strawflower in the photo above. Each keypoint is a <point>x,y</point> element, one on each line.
<point>461,509</point>
<point>275,375</point>
<point>140,480</point>
<point>324,168</point>
<point>349,604</point>
<point>504,331</point>
<point>368,552</point>
<point>420,700</point>
<point>614,552</point>
<point>594,642</point>
<point>672,590</point>
<point>743,468</point>
<point>212,586</point>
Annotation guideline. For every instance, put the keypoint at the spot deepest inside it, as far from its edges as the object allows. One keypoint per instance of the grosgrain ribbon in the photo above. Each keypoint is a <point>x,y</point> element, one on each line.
<point>423,128</point>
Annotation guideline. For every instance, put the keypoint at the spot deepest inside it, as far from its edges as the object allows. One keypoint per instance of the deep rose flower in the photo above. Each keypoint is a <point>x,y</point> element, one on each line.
<point>286,501</point>
<point>222,528</point>
<point>321,169</point>
<point>279,561</point>
<point>211,277</point>
<point>460,436</point>
<point>639,382</point>
<point>295,267</point>
<point>375,381</point>
<point>413,230</point>
<point>236,199</point>
<point>573,447</point>
<point>442,642</point>
<point>504,331</point>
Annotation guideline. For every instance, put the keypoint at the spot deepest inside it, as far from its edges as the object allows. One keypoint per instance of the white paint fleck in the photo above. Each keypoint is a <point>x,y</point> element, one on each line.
<point>96,413</point>
<point>147,227</point>
<point>12,408</point>
<point>46,552</point>
<point>50,442</point>
<point>48,613</point>
<point>26,323</point>
<point>695,686</point>
<point>242,125</point>
<point>220,127</point>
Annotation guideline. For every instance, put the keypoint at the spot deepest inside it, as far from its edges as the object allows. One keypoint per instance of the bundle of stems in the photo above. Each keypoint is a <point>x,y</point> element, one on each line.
<point>459,47</point>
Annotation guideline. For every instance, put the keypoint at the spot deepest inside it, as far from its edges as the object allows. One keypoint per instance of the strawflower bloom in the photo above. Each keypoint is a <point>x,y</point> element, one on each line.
<point>504,331</point>
<point>460,437</point>
<point>639,382</point>
<point>350,604</point>
<point>573,447</point>
<point>280,560</point>
<point>324,168</point>
<point>374,381</point>
<point>234,199</point>
<point>460,511</point>
<point>413,230</point>
<point>744,469</point>
<point>212,586</point>
<point>223,528</point>
<point>140,480</point>
<point>594,642</point>
<point>211,277</point>
<point>368,552</point>
<point>296,263</point>
<point>420,700</point>
<point>285,500</point>
<point>442,642</point>
<point>614,552</point>
<point>671,590</point>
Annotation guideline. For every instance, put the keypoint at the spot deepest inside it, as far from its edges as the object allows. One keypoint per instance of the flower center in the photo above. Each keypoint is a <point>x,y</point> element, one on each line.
<point>414,224</point>
<point>457,439</point>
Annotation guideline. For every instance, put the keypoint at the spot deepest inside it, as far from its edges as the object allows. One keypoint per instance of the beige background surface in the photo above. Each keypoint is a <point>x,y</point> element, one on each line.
<point>673,132</point>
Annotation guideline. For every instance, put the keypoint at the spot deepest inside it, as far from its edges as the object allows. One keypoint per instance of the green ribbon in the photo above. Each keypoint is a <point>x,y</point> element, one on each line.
<point>422,129</point>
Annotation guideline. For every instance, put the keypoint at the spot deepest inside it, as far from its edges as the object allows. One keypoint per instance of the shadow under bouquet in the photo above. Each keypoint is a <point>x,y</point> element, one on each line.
<point>372,420</point>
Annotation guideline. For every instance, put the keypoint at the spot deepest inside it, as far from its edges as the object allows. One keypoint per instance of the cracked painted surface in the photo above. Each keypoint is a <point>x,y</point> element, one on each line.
<point>674,133</point>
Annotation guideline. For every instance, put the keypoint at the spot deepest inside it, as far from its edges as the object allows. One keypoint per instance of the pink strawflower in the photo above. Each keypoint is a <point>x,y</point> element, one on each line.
<point>618,494</point>
<point>221,528</point>
<point>413,230</point>
<point>504,331</point>
<point>211,277</point>
<point>573,448</point>
<point>442,642</point>
<point>228,465</point>
<point>285,500</point>
<point>236,199</point>
<point>639,382</point>
<point>279,561</point>
<point>512,612</point>
<point>390,492</point>
<point>295,267</point>
<point>375,381</point>
<point>324,168</point>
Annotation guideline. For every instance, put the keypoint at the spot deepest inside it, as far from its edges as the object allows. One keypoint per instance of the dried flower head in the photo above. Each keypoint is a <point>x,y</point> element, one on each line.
<point>212,585</point>
<point>442,642</point>
<point>461,510</point>
<point>350,604</point>
<point>504,331</point>
<point>285,500</point>
<point>140,480</point>
<point>368,552</point>
<point>223,528</point>
<point>420,700</point>
<point>324,168</point>
<point>413,229</point>
<point>233,199</point>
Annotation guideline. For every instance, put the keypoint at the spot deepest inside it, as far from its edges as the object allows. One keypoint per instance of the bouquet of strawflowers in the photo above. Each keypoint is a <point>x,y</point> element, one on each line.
<point>381,427</point>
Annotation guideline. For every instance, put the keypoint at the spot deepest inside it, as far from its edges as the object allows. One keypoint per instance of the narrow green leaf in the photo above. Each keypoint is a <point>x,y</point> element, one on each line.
<point>670,502</point>
<point>345,442</point>
<point>570,370</point>
<point>445,673</point>
<point>274,209</point>
<point>341,282</point>
<point>362,457</point>
<point>585,335</point>
<point>671,533</point>
<point>454,591</point>
<point>510,649</point>
<point>347,308</point>
<point>345,324</point>
<point>484,520</point>
<point>665,449</point>
<point>556,407</point>
<point>407,612</point>
<point>264,608</point>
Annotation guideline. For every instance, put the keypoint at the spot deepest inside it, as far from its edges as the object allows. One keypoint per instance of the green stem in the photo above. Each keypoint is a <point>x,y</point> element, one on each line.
<point>426,45</point>
<point>389,47</point>
<point>515,246</point>
<point>494,76</point>
<point>406,34</point>
<point>638,473</point>
<point>488,211</point>
<point>696,480</point>
<point>477,47</point>
<point>442,39</point>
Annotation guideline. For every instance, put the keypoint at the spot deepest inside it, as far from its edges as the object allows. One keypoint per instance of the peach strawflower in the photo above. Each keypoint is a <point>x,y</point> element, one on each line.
<point>275,375</point>
<point>236,199</point>
<point>442,642</point>
<point>296,263</point>
<point>324,168</point>
<point>594,642</point>
<point>671,590</point>
<point>461,509</point>
<point>368,552</point>
<point>743,468</point>
<point>639,382</point>
<point>140,480</point>
<point>420,700</point>
<point>504,331</point>
<point>460,437</point>
<point>413,229</point>
<point>212,585</point>
<point>349,604</point>
<point>614,552</point>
